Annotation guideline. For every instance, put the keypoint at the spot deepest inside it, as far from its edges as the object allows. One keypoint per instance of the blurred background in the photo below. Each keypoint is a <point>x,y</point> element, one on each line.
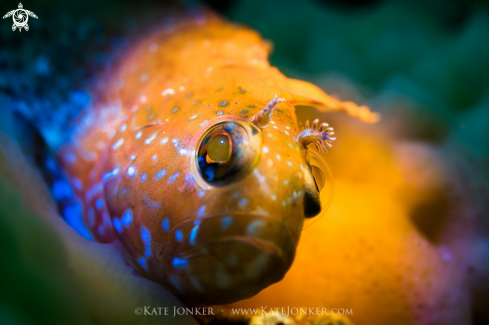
<point>406,240</point>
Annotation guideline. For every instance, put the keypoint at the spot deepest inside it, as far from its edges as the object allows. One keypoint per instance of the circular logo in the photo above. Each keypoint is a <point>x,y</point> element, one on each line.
<point>20,18</point>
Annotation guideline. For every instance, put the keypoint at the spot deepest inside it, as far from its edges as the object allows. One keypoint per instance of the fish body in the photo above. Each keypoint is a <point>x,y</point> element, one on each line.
<point>146,165</point>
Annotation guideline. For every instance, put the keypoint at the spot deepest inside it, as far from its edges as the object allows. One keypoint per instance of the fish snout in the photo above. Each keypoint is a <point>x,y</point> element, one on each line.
<point>231,257</point>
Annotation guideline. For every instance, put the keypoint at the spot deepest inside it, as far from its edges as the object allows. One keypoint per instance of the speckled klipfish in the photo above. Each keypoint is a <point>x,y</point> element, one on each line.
<point>196,163</point>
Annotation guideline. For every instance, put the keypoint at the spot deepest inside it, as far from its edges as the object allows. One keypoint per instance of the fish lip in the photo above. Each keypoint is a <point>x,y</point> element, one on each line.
<point>234,213</point>
<point>182,250</point>
<point>254,241</point>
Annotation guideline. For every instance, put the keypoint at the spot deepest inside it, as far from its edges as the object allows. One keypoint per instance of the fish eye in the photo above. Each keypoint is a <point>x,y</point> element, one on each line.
<point>227,152</point>
<point>324,184</point>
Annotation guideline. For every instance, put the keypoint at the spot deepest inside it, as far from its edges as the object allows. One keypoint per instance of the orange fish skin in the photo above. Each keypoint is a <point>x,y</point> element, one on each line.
<point>133,162</point>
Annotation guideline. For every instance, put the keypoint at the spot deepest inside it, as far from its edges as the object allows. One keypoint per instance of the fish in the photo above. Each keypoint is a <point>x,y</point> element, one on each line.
<point>192,157</point>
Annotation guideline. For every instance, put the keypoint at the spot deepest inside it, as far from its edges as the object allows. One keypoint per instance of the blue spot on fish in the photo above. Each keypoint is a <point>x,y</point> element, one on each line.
<point>150,139</point>
<point>118,144</point>
<point>223,103</point>
<point>193,234</point>
<point>142,263</point>
<point>201,211</point>
<point>151,203</point>
<point>183,151</point>
<point>166,224</point>
<point>226,222</point>
<point>179,262</point>
<point>173,177</point>
<point>126,218</point>
<point>131,171</point>
<point>242,202</point>
<point>114,172</point>
<point>146,237</point>
<point>178,235</point>
<point>99,204</point>
<point>61,190</point>
<point>94,190</point>
<point>77,184</point>
<point>117,225</point>
<point>160,174</point>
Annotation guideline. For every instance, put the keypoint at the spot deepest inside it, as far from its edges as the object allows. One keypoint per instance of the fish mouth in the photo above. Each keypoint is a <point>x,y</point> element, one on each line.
<point>234,254</point>
<point>254,229</point>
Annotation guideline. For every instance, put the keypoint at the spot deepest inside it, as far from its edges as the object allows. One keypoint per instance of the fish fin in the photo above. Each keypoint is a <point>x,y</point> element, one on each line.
<point>306,94</point>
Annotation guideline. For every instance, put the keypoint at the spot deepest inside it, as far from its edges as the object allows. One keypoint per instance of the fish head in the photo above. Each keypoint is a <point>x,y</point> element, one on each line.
<point>219,214</point>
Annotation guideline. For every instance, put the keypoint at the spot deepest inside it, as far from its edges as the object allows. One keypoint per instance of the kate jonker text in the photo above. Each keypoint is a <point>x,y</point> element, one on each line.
<point>177,311</point>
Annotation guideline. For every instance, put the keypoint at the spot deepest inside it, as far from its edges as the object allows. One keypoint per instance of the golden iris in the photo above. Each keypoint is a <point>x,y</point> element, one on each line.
<point>219,149</point>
